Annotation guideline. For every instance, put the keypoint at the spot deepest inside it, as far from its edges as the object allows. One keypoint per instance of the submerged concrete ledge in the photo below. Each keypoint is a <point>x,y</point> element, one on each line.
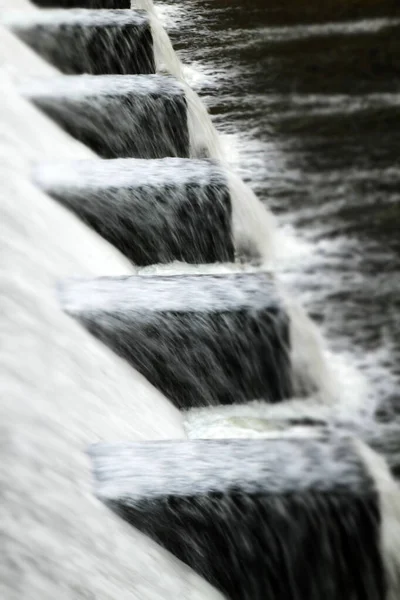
<point>153,211</point>
<point>81,41</point>
<point>277,519</point>
<point>201,339</point>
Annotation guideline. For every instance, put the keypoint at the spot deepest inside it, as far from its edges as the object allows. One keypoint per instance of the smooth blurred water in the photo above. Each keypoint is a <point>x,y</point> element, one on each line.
<point>309,107</point>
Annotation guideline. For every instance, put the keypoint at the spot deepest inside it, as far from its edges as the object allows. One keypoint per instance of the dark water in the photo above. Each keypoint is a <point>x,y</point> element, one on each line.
<point>311,95</point>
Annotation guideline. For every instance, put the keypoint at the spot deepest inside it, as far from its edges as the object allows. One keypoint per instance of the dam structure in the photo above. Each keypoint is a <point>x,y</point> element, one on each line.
<point>173,423</point>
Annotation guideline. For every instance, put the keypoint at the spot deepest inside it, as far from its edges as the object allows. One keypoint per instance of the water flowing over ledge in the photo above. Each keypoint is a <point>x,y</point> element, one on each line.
<point>65,389</point>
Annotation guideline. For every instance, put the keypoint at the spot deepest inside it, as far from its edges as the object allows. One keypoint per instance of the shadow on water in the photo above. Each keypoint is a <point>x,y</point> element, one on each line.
<point>311,93</point>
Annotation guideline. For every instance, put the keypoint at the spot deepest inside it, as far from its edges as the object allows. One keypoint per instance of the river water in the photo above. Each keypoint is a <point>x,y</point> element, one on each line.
<point>309,107</point>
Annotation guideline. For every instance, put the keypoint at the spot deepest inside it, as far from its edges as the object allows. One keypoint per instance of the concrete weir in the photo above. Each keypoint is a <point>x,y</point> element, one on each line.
<point>310,512</point>
<point>95,42</point>
<point>201,339</point>
<point>127,116</point>
<point>283,518</point>
<point>153,211</point>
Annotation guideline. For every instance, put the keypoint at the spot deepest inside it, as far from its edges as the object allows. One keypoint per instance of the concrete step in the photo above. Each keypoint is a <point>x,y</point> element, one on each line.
<point>153,211</point>
<point>202,339</point>
<point>118,116</point>
<point>280,519</point>
<point>95,42</point>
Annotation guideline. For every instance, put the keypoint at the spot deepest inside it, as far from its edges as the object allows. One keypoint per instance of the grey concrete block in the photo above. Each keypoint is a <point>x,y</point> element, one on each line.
<point>96,42</point>
<point>201,339</point>
<point>277,519</point>
<point>154,211</point>
<point>117,116</point>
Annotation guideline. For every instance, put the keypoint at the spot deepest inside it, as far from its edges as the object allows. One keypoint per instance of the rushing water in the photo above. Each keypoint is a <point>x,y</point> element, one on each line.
<point>309,118</point>
<point>310,115</point>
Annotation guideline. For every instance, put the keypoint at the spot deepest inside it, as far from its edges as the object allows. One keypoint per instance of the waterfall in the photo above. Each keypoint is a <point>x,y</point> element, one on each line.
<point>153,199</point>
<point>146,302</point>
<point>165,56</point>
<point>118,116</point>
<point>172,328</point>
<point>108,112</point>
<point>84,41</point>
<point>241,486</point>
<point>254,225</point>
<point>97,42</point>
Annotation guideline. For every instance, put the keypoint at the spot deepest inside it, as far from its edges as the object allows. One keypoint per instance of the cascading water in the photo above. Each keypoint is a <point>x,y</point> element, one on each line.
<point>64,389</point>
<point>118,116</point>
<point>84,41</point>
<point>153,198</point>
<point>165,56</point>
<point>97,42</point>
<point>172,328</point>
<point>150,116</point>
<point>274,478</point>
<point>316,370</point>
